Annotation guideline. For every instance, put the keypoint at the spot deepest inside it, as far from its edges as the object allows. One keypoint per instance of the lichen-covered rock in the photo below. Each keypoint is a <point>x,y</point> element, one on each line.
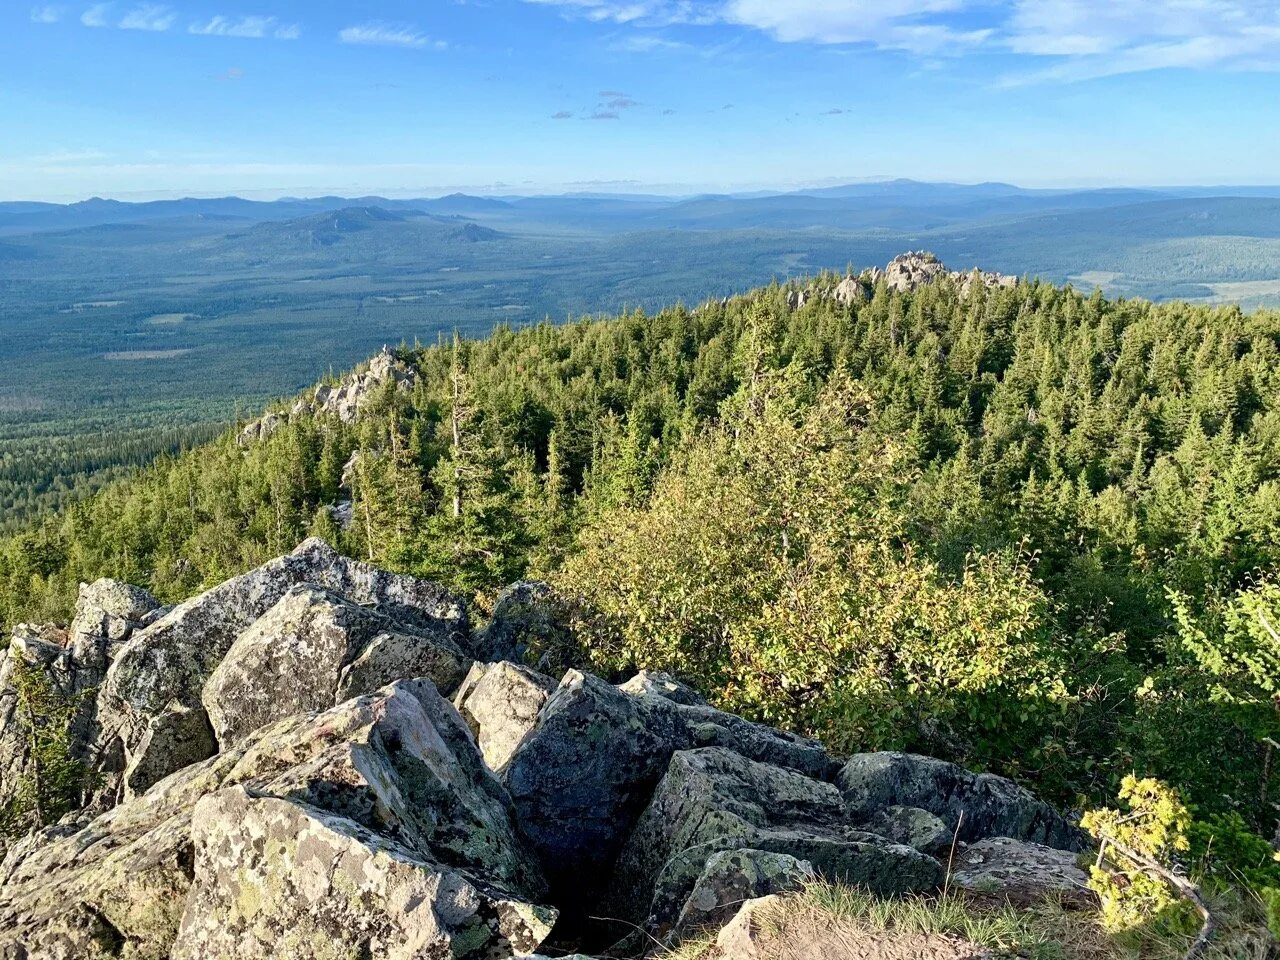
<point>175,737</point>
<point>278,880</point>
<point>656,683</point>
<point>529,625</point>
<point>991,806</point>
<point>108,612</point>
<point>500,702</point>
<point>732,876</point>
<point>582,776</point>
<point>401,655</point>
<point>1017,869</point>
<point>912,826</point>
<point>170,661</point>
<point>399,763</point>
<point>712,800</point>
<point>314,646</point>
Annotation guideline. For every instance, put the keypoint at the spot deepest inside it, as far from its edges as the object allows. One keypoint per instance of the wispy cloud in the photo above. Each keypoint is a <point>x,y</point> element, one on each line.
<point>603,115</point>
<point>154,17</point>
<point>388,35</point>
<point>46,14</point>
<point>562,115</point>
<point>96,15</point>
<point>1043,40</point>
<point>252,27</point>
<point>1087,39</point>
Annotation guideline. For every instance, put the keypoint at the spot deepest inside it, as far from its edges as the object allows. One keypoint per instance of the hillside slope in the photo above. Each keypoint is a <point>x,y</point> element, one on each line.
<point>1009,525</point>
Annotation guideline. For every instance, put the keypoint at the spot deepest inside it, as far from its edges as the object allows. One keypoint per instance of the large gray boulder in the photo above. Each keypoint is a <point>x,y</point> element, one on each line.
<point>582,776</point>
<point>714,800</point>
<point>279,880</point>
<point>171,660</point>
<point>1019,870</point>
<point>973,805</point>
<point>500,702</point>
<point>398,764</point>
<point>108,613</point>
<point>732,877</point>
<point>311,648</point>
<point>529,625</point>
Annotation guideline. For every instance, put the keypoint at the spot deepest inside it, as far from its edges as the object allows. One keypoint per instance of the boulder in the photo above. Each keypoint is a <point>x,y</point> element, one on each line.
<point>108,613</point>
<point>279,880</point>
<point>912,826</point>
<point>500,702</point>
<point>311,647</point>
<point>713,799</point>
<point>529,625</point>
<point>171,660</point>
<point>656,683</point>
<point>732,876</point>
<point>398,763</point>
<point>973,805</point>
<point>582,776</point>
<point>1020,871</point>
<point>174,738</point>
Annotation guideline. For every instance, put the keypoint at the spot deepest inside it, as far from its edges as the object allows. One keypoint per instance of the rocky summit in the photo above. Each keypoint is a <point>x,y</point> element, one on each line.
<point>320,759</point>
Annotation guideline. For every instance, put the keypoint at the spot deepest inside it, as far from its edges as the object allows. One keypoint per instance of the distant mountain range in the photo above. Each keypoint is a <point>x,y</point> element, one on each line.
<point>889,205</point>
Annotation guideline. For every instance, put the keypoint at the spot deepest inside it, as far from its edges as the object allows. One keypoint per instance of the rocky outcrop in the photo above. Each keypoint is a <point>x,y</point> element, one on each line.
<point>315,648</point>
<point>905,273</point>
<point>389,783</point>
<point>344,399</point>
<point>289,781</point>
<point>713,800</point>
<point>975,806</point>
<point>583,775</point>
<point>169,662</point>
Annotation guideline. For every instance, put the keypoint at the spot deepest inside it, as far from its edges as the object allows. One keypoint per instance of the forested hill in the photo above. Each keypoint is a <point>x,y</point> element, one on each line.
<point>1004,523</point>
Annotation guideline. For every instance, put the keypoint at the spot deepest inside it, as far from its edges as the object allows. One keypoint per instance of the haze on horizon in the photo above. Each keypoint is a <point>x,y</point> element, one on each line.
<point>140,100</point>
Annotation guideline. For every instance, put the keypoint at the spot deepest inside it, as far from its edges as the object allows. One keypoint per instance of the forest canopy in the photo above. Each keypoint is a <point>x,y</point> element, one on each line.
<point>1022,528</point>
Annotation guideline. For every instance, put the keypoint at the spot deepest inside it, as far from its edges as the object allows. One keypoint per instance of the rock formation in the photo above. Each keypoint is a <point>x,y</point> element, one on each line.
<point>903,274</point>
<point>344,399</point>
<point>291,782</point>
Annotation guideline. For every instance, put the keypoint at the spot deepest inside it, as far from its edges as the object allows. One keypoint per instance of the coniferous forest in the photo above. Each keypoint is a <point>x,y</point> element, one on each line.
<point>1030,530</point>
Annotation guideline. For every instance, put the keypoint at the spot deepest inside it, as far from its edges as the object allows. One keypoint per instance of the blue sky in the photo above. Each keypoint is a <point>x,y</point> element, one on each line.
<point>207,97</point>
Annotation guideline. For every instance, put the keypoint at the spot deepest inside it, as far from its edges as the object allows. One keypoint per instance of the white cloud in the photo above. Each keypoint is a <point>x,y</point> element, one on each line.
<point>290,31</point>
<point>388,35</point>
<point>220,26</point>
<point>46,14</point>
<point>1044,40</point>
<point>1088,39</point>
<point>154,17</point>
<point>96,16</point>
